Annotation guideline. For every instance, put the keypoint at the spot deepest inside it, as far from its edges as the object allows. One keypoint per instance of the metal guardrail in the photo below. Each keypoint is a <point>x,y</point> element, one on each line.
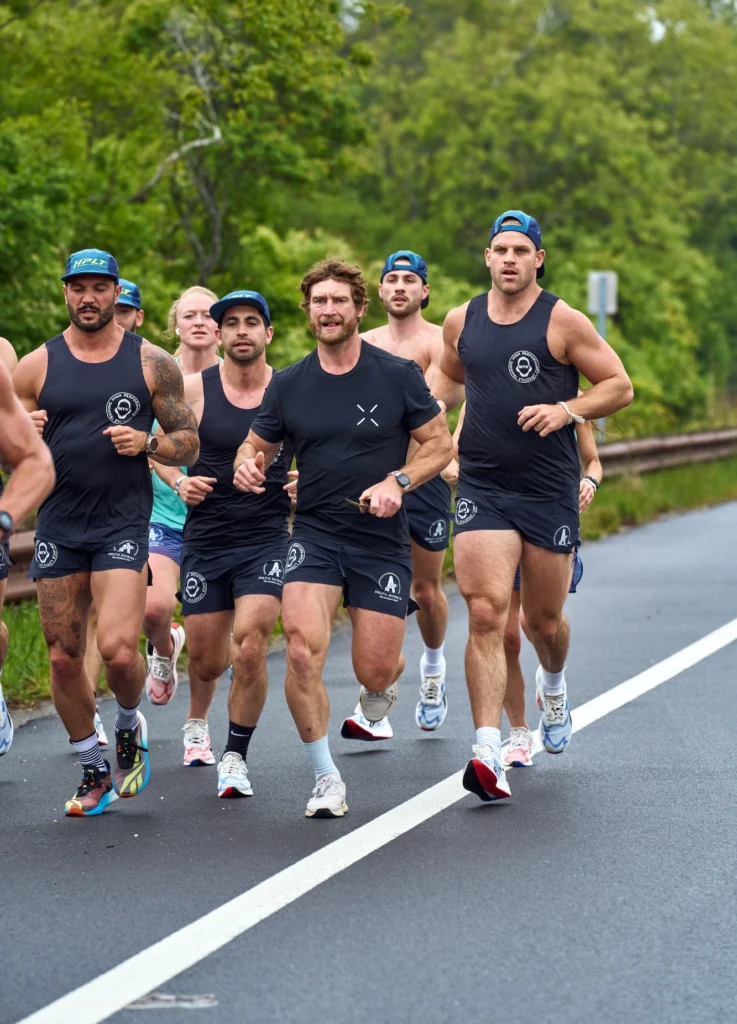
<point>619,458</point>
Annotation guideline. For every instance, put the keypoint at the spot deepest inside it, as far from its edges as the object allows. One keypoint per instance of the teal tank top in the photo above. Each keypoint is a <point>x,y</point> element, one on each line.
<point>168,508</point>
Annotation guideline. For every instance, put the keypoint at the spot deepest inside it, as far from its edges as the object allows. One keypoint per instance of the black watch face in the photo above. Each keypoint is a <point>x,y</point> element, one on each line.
<point>403,479</point>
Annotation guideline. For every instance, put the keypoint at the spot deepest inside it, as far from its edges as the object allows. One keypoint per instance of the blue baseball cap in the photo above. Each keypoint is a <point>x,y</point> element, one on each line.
<point>527,226</point>
<point>91,261</point>
<point>130,294</point>
<point>412,261</point>
<point>242,298</point>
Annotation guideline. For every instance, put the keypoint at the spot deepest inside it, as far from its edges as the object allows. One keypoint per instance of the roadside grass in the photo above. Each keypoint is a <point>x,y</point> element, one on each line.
<point>623,502</point>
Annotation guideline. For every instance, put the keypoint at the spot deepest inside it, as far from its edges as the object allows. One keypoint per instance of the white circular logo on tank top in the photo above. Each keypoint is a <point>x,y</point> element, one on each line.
<point>524,367</point>
<point>122,407</point>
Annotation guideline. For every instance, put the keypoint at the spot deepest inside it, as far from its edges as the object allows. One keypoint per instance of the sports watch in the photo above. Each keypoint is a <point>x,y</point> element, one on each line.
<point>6,524</point>
<point>402,479</point>
<point>152,444</point>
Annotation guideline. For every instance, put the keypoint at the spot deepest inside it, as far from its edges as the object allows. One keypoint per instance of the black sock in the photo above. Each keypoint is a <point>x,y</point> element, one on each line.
<point>239,736</point>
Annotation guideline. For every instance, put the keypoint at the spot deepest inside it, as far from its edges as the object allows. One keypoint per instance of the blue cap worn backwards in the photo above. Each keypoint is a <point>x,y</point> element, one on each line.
<point>409,261</point>
<point>242,298</point>
<point>527,226</point>
<point>130,294</point>
<point>91,261</point>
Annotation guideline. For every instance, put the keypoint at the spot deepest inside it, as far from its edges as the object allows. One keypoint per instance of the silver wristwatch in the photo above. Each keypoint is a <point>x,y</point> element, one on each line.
<point>152,444</point>
<point>402,479</point>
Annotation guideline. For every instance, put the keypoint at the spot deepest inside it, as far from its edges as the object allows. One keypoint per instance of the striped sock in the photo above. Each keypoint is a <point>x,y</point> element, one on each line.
<point>126,719</point>
<point>89,753</point>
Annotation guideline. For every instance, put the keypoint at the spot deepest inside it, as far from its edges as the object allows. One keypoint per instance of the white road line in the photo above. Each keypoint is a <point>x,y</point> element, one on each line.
<point>142,973</point>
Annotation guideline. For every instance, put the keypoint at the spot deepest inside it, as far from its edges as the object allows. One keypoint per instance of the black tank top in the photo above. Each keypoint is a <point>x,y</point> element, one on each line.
<point>509,366</point>
<point>229,517</point>
<point>97,492</point>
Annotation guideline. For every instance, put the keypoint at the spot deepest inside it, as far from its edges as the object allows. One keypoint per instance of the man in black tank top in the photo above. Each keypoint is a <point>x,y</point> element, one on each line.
<point>349,409</point>
<point>98,388</point>
<point>235,544</point>
<point>519,351</point>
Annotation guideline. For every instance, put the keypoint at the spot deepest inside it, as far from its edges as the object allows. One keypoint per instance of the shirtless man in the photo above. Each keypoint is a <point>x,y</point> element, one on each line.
<point>404,293</point>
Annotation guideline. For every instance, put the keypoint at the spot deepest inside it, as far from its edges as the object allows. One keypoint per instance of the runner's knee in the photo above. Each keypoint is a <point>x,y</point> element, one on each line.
<point>512,643</point>
<point>485,615</point>
<point>249,653</point>
<point>159,610</point>
<point>544,625</point>
<point>426,593</point>
<point>305,649</point>
<point>67,666</point>
<point>120,655</point>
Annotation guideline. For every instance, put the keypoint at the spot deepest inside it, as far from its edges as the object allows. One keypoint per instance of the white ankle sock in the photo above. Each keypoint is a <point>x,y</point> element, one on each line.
<point>492,737</point>
<point>433,659</point>
<point>553,683</point>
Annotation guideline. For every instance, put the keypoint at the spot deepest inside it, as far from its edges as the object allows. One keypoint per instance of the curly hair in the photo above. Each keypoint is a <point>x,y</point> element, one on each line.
<point>333,269</point>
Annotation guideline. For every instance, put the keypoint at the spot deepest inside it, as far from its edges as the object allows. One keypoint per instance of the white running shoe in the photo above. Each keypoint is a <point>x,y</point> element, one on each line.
<point>233,776</point>
<point>358,727</point>
<point>100,729</point>
<point>432,707</point>
<point>556,727</point>
<point>376,706</point>
<point>484,776</point>
<point>518,753</point>
<point>161,677</point>
<point>6,726</point>
<point>197,745</point>
<point>328,798</point>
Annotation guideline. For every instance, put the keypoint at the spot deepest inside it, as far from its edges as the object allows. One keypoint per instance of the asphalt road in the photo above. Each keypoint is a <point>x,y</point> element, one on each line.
<point>603,892</point>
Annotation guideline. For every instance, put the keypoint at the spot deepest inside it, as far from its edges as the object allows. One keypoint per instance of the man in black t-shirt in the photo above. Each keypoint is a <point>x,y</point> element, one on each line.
<point>349,410</point>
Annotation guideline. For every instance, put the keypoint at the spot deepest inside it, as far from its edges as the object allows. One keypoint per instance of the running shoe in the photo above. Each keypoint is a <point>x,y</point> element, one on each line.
<point>6,726</point>
<point>161,677</point>
<point>518,753</point>
<point>358,727</point>
<point>93,795</point>
<point>484,776</point>
<point>328,798</point>
<point>432,707</point>
<point>100,730</point>
<point>133,770</point>
<point>556,727</point>
<point>233,776</point>
<point>376,706</point>
<point>197,746</point>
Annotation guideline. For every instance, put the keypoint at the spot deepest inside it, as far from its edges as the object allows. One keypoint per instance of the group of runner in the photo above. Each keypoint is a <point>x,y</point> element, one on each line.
<point>177,472</point>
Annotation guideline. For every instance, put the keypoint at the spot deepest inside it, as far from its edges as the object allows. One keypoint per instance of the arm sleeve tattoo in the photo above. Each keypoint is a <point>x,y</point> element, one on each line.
<point>180,444</point>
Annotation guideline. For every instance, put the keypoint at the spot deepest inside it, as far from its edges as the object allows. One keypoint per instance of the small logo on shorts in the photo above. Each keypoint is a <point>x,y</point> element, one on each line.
<point>295,556</point>
<point>563,537</point>
<point>124,551</point>
<point>273,572</point>
<point>46,553</point>
<point>155,535</point>
<point>390,587</point>
<point>195,587</point>
<point>524,367</point>
<point>122,407</point>
<point>465,511</point>
<point>437,532</point>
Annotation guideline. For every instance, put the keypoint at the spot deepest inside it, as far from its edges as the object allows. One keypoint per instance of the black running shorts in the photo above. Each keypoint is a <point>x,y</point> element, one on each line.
<point>120,551</point>
<point>213,581</point>
<point>429,515</point>
<point>550,523</point>
<point>370,580</point>
<point>5,561</point>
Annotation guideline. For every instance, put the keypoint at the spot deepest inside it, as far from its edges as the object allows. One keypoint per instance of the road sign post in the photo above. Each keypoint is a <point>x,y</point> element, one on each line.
<point>602,301</point>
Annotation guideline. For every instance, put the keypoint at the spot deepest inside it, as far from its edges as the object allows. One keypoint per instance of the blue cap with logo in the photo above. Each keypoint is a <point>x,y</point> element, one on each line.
<point>241,298</point>
<point>405,259</point>
<point>527,226</point>
<point>130,294</point>
<point>91,261</point>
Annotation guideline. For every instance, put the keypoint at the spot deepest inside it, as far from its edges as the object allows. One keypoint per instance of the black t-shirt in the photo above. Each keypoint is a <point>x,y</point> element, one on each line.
<point>348,431</point>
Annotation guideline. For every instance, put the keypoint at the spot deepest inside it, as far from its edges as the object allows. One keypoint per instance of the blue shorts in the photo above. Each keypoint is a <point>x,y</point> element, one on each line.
<point>575,580</point>
<point>163,540</point>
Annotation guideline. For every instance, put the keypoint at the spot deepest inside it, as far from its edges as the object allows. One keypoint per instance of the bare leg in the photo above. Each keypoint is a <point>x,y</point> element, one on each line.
<point>377,648</point>
<point>546,577</point>
<point>486,561</point>
<point>3,628</point>
<point>161,603</point>
<point>255,618</point>
<point>208,643</point>
<point>63,605</point>
<point>307,614</point>
<point>432,616</point>
<point>514,698</point>
<point>120,598</point>
<point>92,658</point>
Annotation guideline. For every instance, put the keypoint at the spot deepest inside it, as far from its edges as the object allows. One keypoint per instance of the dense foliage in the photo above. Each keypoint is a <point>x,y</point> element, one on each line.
<point>233,143</point>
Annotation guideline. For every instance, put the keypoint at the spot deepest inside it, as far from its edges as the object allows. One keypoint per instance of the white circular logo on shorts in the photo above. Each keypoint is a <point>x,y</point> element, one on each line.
<point>155,535</point>
<point>524,366</point>
<point>437,530</point>
<point>124,551</point>
<point>390,584</point>
<point>465,511</point>
<point>563,537</point>
<point>195,587</point>
<point>273,571</point>
<point>295,556</point>
<point>122,407</point>
<point>46,553</point>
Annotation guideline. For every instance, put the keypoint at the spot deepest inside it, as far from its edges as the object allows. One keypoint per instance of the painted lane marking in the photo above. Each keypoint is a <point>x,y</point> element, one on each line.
<point>114,990</point>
